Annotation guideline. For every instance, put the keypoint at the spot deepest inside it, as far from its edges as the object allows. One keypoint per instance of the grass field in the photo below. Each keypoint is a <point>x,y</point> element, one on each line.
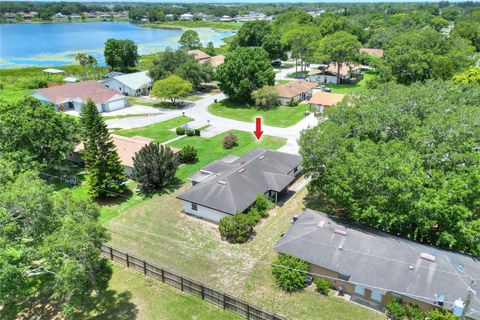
<point>278,117</point>
<point>158,231</point>
<point>134,296</point>
<point>353,88</point>
<point>161,131</point>
<point>212,149</point>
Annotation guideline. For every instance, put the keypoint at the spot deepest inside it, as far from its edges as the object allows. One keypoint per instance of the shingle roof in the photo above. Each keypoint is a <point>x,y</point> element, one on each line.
<point>375,52</point>
<point>79,91</point>
<point>345,69</point>
<point>217,60</point>
<point>198,54</point>
<point>135,80</point>
<point>326,99</point>
<point>234,186</point>
<point>294,88</point>
<point>378,260</point>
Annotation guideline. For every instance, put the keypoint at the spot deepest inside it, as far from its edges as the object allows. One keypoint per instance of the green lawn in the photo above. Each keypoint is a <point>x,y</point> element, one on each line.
<point>284,81</point>
<point>123,116</point>
<point>294,75</point>
<point>212,149</point>
<point>353,88</point>
<point>161,131</point>
<point>278,117</point>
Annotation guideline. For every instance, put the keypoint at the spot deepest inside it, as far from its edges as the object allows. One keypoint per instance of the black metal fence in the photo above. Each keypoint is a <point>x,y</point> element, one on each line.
<point>185,284</point>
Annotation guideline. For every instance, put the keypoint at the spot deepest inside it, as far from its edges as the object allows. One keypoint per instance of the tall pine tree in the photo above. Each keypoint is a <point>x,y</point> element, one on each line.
<point>105,175</point>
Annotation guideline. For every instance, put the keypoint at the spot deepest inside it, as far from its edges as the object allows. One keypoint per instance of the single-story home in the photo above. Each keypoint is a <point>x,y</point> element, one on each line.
<point>374,267</point>
<point>321,100</point>
<point>72,96</point>
<point>130,84</point>
<point>199,55</point>
<point>374,52</point>
<point>126,149</point>
<point>186,16</point>
<point>217,60</point>
<point>331,74</point>
<point>298,90</point>
<point>230,185</point>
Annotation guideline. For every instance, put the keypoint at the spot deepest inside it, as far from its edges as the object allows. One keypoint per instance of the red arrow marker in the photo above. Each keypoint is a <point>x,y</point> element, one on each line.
<point>258,132</point>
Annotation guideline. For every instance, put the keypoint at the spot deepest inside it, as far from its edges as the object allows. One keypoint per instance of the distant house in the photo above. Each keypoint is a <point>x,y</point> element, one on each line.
<point>199,55</point>
<point>126,149</point>
<point>130,84</point>
<point>226,19</point>
<point>373,52</point>
<point>59,15</point>
<point>298,90</point>
<point>321,100</point>
<point>10,15</point>
<point>217,60</point>
<point>186,16</point>
<point>73,96</point>
<point>331,74</point>
<point>374,267</point>
<point>231,185</point>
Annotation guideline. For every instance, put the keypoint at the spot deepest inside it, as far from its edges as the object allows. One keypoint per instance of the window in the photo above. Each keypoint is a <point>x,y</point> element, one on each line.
<point>360,290</point>
<point>376,296</point>
<point>194,207</point>
<point>295,170</point>
<point>344,277</point>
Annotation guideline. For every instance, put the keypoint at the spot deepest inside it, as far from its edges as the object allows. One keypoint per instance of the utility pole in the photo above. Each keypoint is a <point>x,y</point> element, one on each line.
<point>471,292</point>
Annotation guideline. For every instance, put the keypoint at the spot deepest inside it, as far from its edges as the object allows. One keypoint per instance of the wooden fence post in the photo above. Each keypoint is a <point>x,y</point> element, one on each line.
<point>144,267</point>
<point>111,253</point>
<point>224,302</point>
<point>181,283</point>
<point>128,262</point>
<point>163,276</point>
<point>203,292</point>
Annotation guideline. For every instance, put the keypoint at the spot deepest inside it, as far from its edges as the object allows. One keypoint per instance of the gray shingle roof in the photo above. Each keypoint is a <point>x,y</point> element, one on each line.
<point>233,186</point>
<point>379,260</point>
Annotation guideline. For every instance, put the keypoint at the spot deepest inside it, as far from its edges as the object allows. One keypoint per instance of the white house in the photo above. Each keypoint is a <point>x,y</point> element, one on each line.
<point>297,90</point>
<point>73,96</point>
<point>231,185</point>
<point>131,84</point>
<point>186,16</point>
<point>331,73</point>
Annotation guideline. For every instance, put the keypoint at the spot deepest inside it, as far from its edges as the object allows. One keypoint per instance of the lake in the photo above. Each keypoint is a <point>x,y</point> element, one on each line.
<point>55,44</point>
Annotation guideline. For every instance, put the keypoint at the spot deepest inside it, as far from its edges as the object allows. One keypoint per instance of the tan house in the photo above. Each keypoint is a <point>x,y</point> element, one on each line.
<point>374,52</point>
<point>331,73</point>
<point>374,267</point>
<point>321,100</point>
<point>217,60</point>
<point>126,149</point>
<point>298,90</point>
<point>203,57</point>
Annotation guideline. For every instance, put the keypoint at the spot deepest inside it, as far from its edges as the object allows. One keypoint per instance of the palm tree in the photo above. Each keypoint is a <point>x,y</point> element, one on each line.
<point>83,61</point>
<point>92,63</point>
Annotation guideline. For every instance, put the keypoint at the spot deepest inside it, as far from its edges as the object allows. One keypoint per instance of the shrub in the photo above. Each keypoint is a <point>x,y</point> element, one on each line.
<point>190,133</point>
<point>440,314</point>
<point>287,278</point>
<point>266,97</point>
<point>230,140</point>
<point>262,205</point>
<point>188,155</point>
<point>180,131</point>
<point>323,286</point>
<point>414,312</point>
<point>293,103</point>
<point>237,228</point>
<point>395,308</point>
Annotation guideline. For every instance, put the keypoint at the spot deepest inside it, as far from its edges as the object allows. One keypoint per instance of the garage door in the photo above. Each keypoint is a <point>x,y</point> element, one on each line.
<point>115,105</point>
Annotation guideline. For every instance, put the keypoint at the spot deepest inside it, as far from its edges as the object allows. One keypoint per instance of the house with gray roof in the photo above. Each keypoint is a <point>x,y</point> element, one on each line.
<point>130,84</point>
<point>374,267</point>
<point>231,185</point>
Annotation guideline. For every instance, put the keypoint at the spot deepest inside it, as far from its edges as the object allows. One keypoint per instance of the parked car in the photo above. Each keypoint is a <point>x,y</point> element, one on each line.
<point>301,77</point>
<point>325,88</point>
<point>277,64</point>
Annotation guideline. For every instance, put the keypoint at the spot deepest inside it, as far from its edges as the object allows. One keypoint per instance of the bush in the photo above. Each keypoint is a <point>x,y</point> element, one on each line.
<point>237,228</point>
<point>414,312</point>
<point>287,278</point>
<point>188,155</point>
<point>230,140</point>
<point>395,308</point>
<point>266,97</point>
<point>440,314</point>
<point>323,286</point>
<point>180,131</point>
<point>190,133</point>
<point>262,205</point>
<point>293,103</point>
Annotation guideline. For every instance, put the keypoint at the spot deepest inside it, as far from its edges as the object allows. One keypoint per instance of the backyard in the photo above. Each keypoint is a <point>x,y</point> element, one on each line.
<point>282,116</point>
<point>353,88</point>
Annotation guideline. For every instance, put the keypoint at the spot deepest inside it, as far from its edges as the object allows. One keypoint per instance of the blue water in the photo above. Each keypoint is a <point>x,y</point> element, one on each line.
<point>55,44</point>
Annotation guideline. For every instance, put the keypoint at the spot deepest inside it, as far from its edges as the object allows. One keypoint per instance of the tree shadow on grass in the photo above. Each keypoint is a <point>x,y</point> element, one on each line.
<point>112,305</point>
<point>118,199</point>
<point>168,189</point>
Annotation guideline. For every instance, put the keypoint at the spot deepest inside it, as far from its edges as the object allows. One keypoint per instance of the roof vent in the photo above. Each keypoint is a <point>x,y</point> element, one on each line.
<point>261,157</point>
<point>321,224</point>
<point>204,171</point>
<point>340,247</point>
<point>222,182</point>
<point>340,232</point>
<point>427,256</point>
<point>241,170</point>
<point>410,267</point>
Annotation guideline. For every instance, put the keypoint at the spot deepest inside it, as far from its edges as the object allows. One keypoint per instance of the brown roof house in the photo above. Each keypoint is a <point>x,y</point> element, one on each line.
<point>373,52</point>
<point>331,73</point>
<point>199,55</point>
<point>73,96</point>
<point>298,90</point>
<point>126,149</point>
<point>321,100</point>
<point>217,60</point>
<point>374,267</point>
